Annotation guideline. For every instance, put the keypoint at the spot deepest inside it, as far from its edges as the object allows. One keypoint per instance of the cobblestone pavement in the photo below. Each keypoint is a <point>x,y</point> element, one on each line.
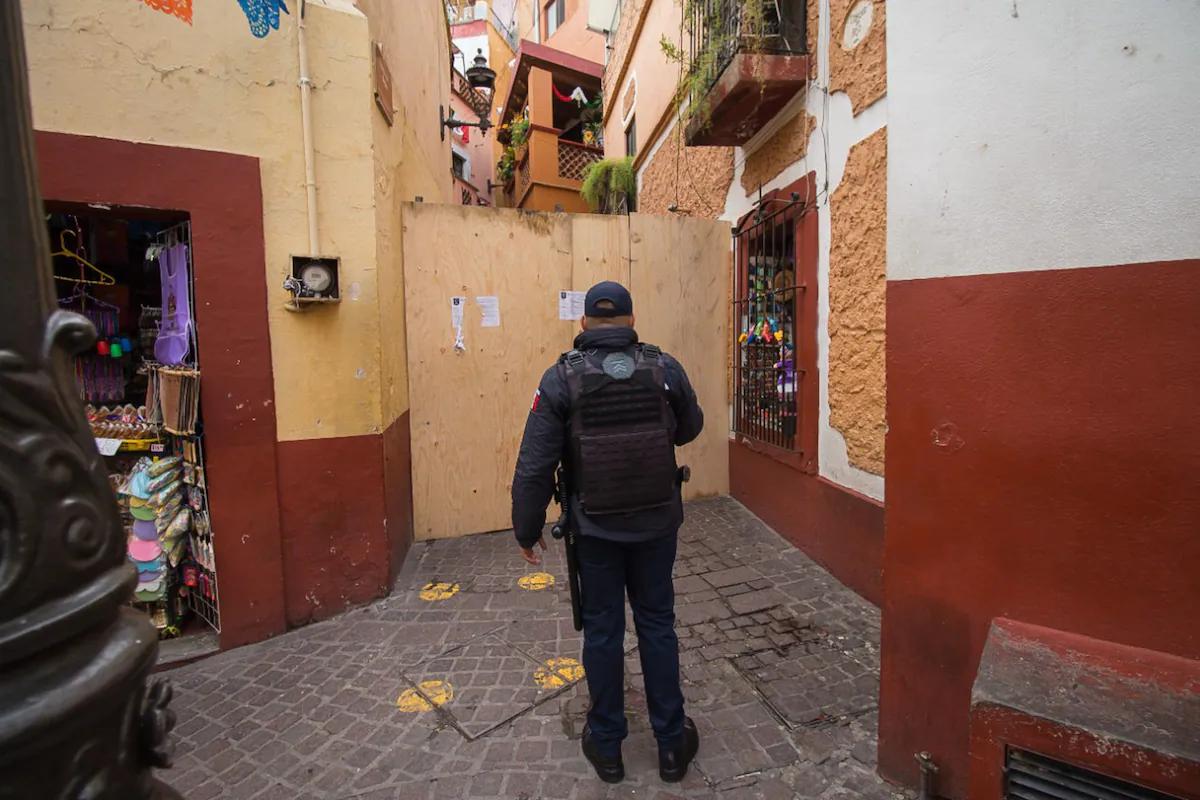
<point>780,666</point>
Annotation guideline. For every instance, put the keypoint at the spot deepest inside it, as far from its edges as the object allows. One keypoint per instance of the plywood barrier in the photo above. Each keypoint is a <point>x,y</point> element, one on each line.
<point>469,404</point>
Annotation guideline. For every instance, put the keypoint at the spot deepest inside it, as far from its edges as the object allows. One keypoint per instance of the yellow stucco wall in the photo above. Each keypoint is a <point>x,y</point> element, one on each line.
<point>410,160</point>
<point>118,69</point>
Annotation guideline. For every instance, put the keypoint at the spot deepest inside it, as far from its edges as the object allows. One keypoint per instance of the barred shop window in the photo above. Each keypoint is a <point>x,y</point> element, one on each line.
<point>774,320</point>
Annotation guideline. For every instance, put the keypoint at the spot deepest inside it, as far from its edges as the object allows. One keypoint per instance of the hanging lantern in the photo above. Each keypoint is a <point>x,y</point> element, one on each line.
<point>481,76</point>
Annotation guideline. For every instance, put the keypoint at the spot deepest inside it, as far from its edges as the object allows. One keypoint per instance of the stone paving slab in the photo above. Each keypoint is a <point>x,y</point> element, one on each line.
<point>780,671</point>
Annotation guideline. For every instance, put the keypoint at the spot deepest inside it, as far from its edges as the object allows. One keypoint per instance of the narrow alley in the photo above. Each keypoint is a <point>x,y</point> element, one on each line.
<point>465,683</point>
<point>312,305</point>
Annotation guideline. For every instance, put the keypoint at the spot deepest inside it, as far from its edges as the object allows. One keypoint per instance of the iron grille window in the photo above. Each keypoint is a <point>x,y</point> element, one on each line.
<point>1028,776</point>
<point>769,322</point>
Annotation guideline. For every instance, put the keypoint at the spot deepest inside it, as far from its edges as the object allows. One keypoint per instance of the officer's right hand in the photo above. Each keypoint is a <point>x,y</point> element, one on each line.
<point>530,555</point>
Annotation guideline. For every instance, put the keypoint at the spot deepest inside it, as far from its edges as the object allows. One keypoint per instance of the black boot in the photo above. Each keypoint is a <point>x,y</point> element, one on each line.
<point>673,763</point>
<point>608,769</point>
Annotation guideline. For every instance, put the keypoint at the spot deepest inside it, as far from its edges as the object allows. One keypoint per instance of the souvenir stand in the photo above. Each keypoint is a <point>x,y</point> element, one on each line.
<point>141,384</point>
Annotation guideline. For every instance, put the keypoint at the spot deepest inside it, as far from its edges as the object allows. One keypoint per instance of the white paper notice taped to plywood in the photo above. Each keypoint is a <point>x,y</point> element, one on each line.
<point>457,305</point>
<point>489,308</point>
<point>570,305</point>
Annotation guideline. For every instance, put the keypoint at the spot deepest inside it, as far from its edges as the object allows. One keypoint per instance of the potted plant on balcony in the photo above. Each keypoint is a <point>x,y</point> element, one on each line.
<point>519,129</point>
<point>593,111</point>
<point>504,134</point>
<point>593,134</point>
<point>505,166</point>
<point>609,185</point>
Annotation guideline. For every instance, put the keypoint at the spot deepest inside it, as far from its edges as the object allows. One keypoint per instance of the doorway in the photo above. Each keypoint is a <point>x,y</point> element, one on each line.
<point>130,272</point>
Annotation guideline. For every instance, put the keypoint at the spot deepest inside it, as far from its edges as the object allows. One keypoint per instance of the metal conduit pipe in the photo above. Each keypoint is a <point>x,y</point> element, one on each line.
<point>310,172</point>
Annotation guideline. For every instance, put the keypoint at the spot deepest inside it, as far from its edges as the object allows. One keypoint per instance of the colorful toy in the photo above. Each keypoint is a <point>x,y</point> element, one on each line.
<point>767,331</point>
<point>786,367</point>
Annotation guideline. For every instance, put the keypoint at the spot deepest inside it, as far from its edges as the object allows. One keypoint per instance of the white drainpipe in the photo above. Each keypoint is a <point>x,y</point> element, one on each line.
<point>310,174</point>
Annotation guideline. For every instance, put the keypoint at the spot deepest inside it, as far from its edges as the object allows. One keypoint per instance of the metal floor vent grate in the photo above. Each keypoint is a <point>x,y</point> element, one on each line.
<point>1028,776</point>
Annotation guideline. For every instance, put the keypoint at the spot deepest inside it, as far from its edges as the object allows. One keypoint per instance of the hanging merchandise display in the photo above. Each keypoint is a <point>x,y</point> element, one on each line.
<point>142,386</point>
<point>175,331</point>
<point>179,399</point>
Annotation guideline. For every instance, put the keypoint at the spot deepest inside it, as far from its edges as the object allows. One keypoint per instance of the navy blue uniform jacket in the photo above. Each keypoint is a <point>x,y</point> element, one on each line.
<point>546,440</point>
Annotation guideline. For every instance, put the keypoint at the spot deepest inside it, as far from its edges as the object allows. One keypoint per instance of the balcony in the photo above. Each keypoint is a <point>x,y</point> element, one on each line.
<point>549,166</point>
<point>555,168</point>
<point>748,60</point>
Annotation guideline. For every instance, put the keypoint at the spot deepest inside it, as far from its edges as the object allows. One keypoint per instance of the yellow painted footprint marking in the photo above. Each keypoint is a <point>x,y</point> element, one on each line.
<point>432,693</point>
<point>438,591</point>
<point>557,673</point>
<point>536,581</point>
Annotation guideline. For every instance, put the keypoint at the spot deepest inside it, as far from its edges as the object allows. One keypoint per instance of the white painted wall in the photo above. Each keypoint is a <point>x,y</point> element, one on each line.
<point>1041,134</point>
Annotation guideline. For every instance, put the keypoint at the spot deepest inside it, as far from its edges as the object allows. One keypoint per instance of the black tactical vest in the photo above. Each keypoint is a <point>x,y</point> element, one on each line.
<point>622,430</point>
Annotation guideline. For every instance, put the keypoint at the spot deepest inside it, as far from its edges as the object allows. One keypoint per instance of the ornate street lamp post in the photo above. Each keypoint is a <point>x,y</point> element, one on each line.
<point>78,718</point>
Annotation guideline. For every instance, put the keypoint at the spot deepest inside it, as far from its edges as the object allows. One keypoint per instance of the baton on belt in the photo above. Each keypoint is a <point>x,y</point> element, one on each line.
<point>565,530</point>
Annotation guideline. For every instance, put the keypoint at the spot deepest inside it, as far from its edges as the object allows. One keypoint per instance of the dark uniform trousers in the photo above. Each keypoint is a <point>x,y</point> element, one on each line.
<point>609,570</point>
<point>629,553</point>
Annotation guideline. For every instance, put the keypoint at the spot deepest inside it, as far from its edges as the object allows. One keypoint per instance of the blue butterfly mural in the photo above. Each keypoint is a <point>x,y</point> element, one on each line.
<point>263,15</point>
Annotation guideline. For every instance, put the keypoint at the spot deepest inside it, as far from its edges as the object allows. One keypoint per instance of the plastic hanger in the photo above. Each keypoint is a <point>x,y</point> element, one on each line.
<point>85,299</point>
<point>104,280</point>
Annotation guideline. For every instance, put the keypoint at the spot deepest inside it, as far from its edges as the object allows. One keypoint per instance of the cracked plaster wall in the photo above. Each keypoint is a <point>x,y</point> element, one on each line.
<point>849,428</point>
<point>858,50</point>
<point>857,304</point>
<point>121,70</point>
<point>815,133</point>
<point>694,178</point>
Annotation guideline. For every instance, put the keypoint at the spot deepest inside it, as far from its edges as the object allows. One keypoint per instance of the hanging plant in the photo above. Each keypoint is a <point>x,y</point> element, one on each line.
<point>504,135</point>
<point>607,183</point>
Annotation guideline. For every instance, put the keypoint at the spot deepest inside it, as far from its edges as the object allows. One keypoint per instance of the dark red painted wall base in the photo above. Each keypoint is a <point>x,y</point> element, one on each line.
<point>839,529</point>
<point>397,492</point>
<point>1121,711</point>
<point>1043,456</point>
<point>341,543</point>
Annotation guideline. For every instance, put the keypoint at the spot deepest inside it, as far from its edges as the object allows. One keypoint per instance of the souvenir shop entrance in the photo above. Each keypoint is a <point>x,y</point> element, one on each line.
<point>130,272</point>
<point>107,182</point>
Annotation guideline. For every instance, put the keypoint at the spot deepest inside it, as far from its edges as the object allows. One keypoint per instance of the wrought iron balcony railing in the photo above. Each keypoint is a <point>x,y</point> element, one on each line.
<point>720,29</point>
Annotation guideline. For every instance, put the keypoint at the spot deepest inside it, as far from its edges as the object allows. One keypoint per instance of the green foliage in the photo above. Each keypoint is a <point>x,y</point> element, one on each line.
<point>701,71</point>
<point>506,165</point>
<point>606,182</point>
<point>520,131</point>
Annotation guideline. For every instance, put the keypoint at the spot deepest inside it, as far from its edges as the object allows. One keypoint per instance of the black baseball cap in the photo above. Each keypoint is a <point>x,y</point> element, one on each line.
<point>613,292</point>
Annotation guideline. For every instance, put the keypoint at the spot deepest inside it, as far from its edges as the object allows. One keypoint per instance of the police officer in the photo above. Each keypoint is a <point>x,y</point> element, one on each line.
<point>612,411</point>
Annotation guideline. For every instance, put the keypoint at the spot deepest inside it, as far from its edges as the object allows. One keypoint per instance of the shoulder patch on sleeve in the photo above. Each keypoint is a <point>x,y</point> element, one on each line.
<point>537,399</point>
